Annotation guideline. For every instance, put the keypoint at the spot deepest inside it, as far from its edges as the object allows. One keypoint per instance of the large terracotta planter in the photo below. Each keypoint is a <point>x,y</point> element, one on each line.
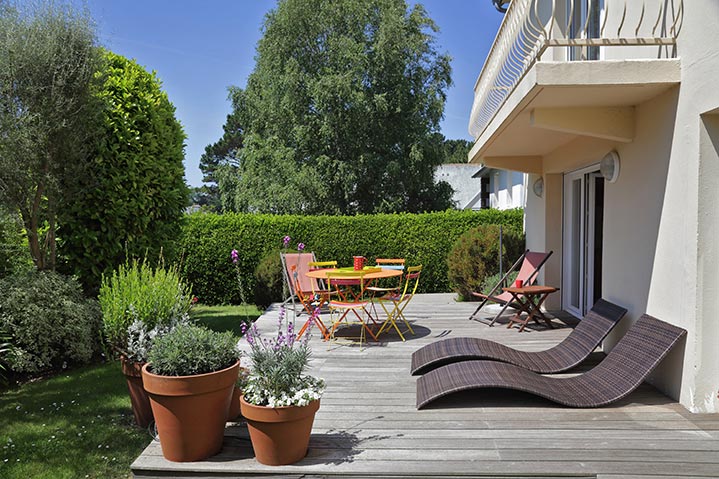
<point>279,435</point>
<point>190,411</point>
<point>138,397</point>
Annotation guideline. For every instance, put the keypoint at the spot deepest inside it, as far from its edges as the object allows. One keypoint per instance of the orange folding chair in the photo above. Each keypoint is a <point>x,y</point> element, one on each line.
<point>341,306</point>
<point>399,302</point>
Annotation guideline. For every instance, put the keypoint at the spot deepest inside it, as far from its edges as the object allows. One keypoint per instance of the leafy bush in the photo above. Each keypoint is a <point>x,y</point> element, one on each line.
<point>14,253</point>
<point>475,255</point>
<point>424,239</point>
<point>189,350</point>
<point>130,201</point>
<point>268,280</point>
<point>492,280</point>
<point>52,324</point>
<point>138,292</point>
<point>6,348</point>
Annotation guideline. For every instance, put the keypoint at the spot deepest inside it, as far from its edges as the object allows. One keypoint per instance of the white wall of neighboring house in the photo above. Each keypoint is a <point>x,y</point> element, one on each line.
<point>507,189</point>
<point>660,242</point>
<point>465,186</point>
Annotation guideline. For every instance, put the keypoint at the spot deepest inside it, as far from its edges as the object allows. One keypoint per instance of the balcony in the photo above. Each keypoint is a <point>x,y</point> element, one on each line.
<point>553,58</point>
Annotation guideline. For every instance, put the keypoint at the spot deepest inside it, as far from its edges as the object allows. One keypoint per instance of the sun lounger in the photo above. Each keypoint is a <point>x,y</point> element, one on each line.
<point>643,347</point>
<point>573,350</point>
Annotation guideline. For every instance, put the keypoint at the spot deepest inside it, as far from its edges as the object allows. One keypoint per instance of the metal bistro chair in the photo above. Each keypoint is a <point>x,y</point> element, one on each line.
<point>342,305</point>
<point>400,301</point>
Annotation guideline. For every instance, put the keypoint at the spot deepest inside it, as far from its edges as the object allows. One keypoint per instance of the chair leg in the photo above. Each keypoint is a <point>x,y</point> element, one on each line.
<point>504,308</point>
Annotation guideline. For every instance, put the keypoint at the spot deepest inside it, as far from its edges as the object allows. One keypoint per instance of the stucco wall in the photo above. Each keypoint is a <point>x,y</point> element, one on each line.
<point>661,217</point>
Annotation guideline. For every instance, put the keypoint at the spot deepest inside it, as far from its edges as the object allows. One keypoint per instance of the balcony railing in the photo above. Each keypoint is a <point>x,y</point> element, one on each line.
<point>531,27</point>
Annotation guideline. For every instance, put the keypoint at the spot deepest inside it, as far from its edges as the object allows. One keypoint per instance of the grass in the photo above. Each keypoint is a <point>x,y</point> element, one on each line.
<point>225,318</point>
<point>76,424</point>
<point>79,423</point>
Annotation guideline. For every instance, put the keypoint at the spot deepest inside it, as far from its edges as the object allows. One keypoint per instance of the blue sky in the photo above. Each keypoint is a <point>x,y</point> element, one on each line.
<point>199,48</point>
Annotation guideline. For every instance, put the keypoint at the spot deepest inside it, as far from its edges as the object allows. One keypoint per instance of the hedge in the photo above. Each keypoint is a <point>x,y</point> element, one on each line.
<point>208,239</point>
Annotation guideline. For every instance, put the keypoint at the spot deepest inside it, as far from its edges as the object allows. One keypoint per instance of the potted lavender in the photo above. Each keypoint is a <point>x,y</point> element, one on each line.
<point>279,401</point>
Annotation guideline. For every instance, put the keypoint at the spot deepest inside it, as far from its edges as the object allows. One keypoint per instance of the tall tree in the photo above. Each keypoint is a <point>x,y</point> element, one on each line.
<point>341,112</point>
<point>456,151</point>
<point>48,56</point>
<point>132,197</point>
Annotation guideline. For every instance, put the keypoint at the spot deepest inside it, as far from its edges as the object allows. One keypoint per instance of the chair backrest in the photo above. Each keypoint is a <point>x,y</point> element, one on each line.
<point>626,366</point>
<point>345,278</point>
<point>531,264</point>
<point>297,277</point>
<point>390,263</point>
<point>411,277</point>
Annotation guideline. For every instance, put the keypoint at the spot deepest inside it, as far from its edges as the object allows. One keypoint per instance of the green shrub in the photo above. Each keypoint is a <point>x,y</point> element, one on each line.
<point>492,280</point>
<point>14,252</point>
<point>52,324</point>
<point>189,349</point>
<point>138,292</point>
<point>268,280</point>
<point>425,239</point>
<point>6,348</point>
<point>475,255</point>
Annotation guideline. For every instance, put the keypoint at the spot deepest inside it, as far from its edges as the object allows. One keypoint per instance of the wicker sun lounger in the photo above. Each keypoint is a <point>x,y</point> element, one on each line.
<point>573,350</point>
<point>621,372</point>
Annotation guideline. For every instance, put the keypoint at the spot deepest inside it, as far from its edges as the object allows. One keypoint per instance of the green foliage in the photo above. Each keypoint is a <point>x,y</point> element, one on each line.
<point>268,280</point>
<point>6,348</point>
<point>138,292</point>
<point>131,201</point>
<point>426,239</point>
<point>48,56</point>
<point>475,255</point>
<point>456,151</point>
<point>52,324</point>
<point>492,280</point>
<point>340,115</point>
<point>72,425</point>
<point>14,252</point>
<point>189,350</point>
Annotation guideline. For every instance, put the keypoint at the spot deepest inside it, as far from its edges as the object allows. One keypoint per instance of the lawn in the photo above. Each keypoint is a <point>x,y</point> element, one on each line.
<point>225,318</point>
<point>76,424</point>
<point>79,423</point>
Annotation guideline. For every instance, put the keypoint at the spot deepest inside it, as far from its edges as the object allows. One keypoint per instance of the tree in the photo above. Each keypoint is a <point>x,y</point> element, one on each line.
<point>456,151</point>
<point>48,56</point>
<point>340,114</point>
<point>131,200</point>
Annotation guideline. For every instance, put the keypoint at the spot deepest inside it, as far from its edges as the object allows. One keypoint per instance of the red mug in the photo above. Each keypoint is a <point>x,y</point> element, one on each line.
<point>359,262</point>
<point>518,283</point>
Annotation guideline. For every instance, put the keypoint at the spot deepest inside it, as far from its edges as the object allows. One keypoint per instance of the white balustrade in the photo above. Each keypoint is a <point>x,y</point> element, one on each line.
<point>530,27</point>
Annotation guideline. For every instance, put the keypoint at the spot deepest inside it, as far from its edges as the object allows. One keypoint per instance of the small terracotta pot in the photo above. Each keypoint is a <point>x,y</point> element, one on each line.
<point>279,435</point>
<point>190,411</point>
<point>138,397</point>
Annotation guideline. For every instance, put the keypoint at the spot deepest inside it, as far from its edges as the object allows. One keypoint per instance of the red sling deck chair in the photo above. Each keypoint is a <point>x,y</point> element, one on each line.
<point>529,265</point>
<point>309,292</point>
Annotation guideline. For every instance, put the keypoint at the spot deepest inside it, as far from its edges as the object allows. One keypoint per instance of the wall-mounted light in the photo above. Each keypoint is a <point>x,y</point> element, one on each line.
<point>538,186</point>
<point>609,166</point>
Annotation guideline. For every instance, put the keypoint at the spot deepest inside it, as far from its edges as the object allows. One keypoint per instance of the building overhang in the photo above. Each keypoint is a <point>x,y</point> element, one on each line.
<point>556,102</point>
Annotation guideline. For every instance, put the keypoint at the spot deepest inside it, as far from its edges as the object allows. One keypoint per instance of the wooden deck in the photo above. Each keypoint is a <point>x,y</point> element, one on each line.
<point>367,425</point>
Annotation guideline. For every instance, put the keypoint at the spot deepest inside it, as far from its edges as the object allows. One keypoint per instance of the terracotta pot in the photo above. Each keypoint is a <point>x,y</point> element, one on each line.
<point>234,411</point>
<point>279,435</point>
<point>138,397</point>
<point>190,411</point>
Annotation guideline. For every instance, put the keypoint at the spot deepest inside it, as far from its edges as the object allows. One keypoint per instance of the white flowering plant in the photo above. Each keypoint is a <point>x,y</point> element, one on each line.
<point>277,377</point>
<point>140,337</point>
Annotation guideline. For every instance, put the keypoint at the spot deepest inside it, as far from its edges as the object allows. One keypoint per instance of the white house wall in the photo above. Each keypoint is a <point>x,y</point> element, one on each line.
<point>661,217</point>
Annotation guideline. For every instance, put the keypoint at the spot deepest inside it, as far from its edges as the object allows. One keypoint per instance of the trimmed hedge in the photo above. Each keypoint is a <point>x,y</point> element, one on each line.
<point>426,239</point>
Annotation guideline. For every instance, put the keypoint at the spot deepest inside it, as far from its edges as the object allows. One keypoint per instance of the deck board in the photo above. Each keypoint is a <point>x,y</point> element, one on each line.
<point>367,425</point>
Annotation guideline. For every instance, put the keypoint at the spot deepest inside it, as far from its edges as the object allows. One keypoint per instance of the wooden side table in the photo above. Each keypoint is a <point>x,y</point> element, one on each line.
<point>529,299</point>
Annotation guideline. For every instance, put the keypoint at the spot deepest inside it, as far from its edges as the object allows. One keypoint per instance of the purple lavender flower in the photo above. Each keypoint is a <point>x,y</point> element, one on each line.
<point>286,241</point>
<point>235,256</point>
<point>300,246</point>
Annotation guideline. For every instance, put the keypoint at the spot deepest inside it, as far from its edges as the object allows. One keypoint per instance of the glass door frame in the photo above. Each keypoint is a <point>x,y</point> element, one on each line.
<point>578,240</point>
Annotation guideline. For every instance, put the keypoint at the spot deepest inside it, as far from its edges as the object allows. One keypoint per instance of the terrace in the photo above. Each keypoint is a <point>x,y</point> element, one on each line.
<point>368,426</point>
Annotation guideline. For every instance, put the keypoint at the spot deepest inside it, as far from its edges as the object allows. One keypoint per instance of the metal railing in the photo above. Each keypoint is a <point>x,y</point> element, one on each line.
<point>530,27</point>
